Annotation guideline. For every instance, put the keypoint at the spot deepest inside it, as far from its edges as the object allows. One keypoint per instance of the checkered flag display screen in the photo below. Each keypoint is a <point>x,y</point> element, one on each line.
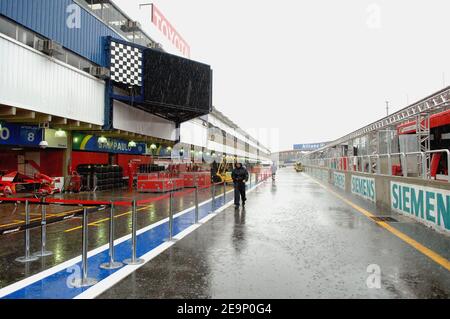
<point>126,64</point>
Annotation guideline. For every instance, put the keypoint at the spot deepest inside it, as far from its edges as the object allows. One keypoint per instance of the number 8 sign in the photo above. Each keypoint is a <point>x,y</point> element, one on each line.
<point>31,137</point>
<point>20,135</point>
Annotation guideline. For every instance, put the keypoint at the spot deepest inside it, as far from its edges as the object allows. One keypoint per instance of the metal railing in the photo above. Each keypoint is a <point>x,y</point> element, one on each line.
<point>372,163</point>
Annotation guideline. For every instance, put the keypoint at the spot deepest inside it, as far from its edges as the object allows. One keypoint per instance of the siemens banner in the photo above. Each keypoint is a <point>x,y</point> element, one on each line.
<point>21,135</point>
<point>90,143</point>
<point>364,187</point>
<point>339,180</point>
<point>430,206</point>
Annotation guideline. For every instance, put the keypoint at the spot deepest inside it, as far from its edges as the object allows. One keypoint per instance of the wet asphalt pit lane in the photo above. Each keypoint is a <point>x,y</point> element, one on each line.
<point>293,240</point>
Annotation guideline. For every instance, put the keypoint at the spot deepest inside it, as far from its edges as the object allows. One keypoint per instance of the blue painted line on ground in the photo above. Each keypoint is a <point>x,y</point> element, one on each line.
<point>55,286</point>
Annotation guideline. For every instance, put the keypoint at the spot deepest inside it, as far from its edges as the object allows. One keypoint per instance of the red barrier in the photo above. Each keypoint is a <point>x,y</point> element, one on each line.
<point>152,200</point>
<point>14,200</point>
<point>76,202</point>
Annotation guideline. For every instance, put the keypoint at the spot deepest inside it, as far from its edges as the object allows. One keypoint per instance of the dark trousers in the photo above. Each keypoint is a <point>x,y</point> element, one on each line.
<point>239,192</point>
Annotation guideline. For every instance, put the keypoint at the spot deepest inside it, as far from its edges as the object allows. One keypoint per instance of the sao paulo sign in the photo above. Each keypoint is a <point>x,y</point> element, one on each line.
<point>90,143</point>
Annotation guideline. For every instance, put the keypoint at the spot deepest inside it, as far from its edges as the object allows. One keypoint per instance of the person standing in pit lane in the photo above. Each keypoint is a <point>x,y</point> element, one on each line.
<point>274,170</point>
<point>240,177</point>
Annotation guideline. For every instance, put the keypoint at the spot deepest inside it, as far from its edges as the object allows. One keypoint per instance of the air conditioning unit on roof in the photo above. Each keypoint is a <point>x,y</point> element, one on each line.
<point>155,45</point>
<point>50,47</point>
<point>99,72</point>
<point>130,26</point>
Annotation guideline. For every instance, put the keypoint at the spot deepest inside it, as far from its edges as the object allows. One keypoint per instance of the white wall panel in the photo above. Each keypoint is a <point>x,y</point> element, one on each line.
<point>134,120</point>
<point>230,150</point>
<point>218,147</point>
<point>192,132</point>
<point>218,123</point>
<point>36,82</point>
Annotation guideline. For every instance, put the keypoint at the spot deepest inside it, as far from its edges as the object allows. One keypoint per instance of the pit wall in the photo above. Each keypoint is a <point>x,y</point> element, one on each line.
<point>426,201</point>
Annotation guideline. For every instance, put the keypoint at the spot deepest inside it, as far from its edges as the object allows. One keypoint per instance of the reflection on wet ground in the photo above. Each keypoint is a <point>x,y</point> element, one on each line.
<point>293,240</point>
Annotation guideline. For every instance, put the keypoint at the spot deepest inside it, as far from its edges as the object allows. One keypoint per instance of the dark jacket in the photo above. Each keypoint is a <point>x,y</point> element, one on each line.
<point>239,174</point>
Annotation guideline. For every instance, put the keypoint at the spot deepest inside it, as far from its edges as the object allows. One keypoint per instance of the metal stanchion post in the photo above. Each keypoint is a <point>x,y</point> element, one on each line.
<point>27,257</point>
<point>250,180</point>
<point>213,196</point>
<point>171,216</point>
<point>111,264</point>
<point>84,281</point>
<point>424,166</point>
<point>43,252</point>
<point>134,260</point>
<point>196,204</point>
<point>224,192</point>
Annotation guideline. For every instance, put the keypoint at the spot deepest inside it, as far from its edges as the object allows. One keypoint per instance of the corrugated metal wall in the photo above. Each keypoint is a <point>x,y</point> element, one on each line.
<point>49,18</point>
<point>33,81</point>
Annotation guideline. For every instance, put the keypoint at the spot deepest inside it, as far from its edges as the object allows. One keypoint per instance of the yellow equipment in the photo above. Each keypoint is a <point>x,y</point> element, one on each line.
<point>298,167</point>
<point>224,172</point>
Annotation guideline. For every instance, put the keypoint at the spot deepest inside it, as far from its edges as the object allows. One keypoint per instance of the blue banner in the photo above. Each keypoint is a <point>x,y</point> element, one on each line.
<point>113,145</point>
<point>308,147</point>
<point>21,135</point>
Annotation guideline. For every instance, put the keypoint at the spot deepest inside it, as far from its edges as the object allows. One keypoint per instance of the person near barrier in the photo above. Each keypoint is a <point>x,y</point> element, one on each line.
<point>240,177</point>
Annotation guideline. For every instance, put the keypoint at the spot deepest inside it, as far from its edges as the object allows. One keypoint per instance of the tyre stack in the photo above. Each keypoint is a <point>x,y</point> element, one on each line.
<point>104,177</point>
<point>87,178</point>
<point>109,177</point>
<point>118,177</point>
<point>150,168</point>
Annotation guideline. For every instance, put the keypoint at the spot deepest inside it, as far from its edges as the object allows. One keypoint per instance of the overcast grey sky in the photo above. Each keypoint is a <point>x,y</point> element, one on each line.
<point>315,69</point>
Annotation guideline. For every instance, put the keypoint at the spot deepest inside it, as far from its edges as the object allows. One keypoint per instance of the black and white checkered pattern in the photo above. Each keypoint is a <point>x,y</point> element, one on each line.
<point>126,64</point>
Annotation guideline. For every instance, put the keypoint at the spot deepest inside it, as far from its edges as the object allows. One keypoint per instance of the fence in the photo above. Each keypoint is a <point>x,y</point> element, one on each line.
<point>373,164</point>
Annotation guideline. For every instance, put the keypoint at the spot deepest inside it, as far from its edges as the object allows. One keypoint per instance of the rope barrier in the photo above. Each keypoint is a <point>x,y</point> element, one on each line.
<point>19,200</point>
<point>37,223</point>
<point>152,200</point>
<point>84,203</point>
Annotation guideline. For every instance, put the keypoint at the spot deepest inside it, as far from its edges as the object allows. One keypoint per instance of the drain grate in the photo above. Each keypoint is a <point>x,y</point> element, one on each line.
<point>384,219</point>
